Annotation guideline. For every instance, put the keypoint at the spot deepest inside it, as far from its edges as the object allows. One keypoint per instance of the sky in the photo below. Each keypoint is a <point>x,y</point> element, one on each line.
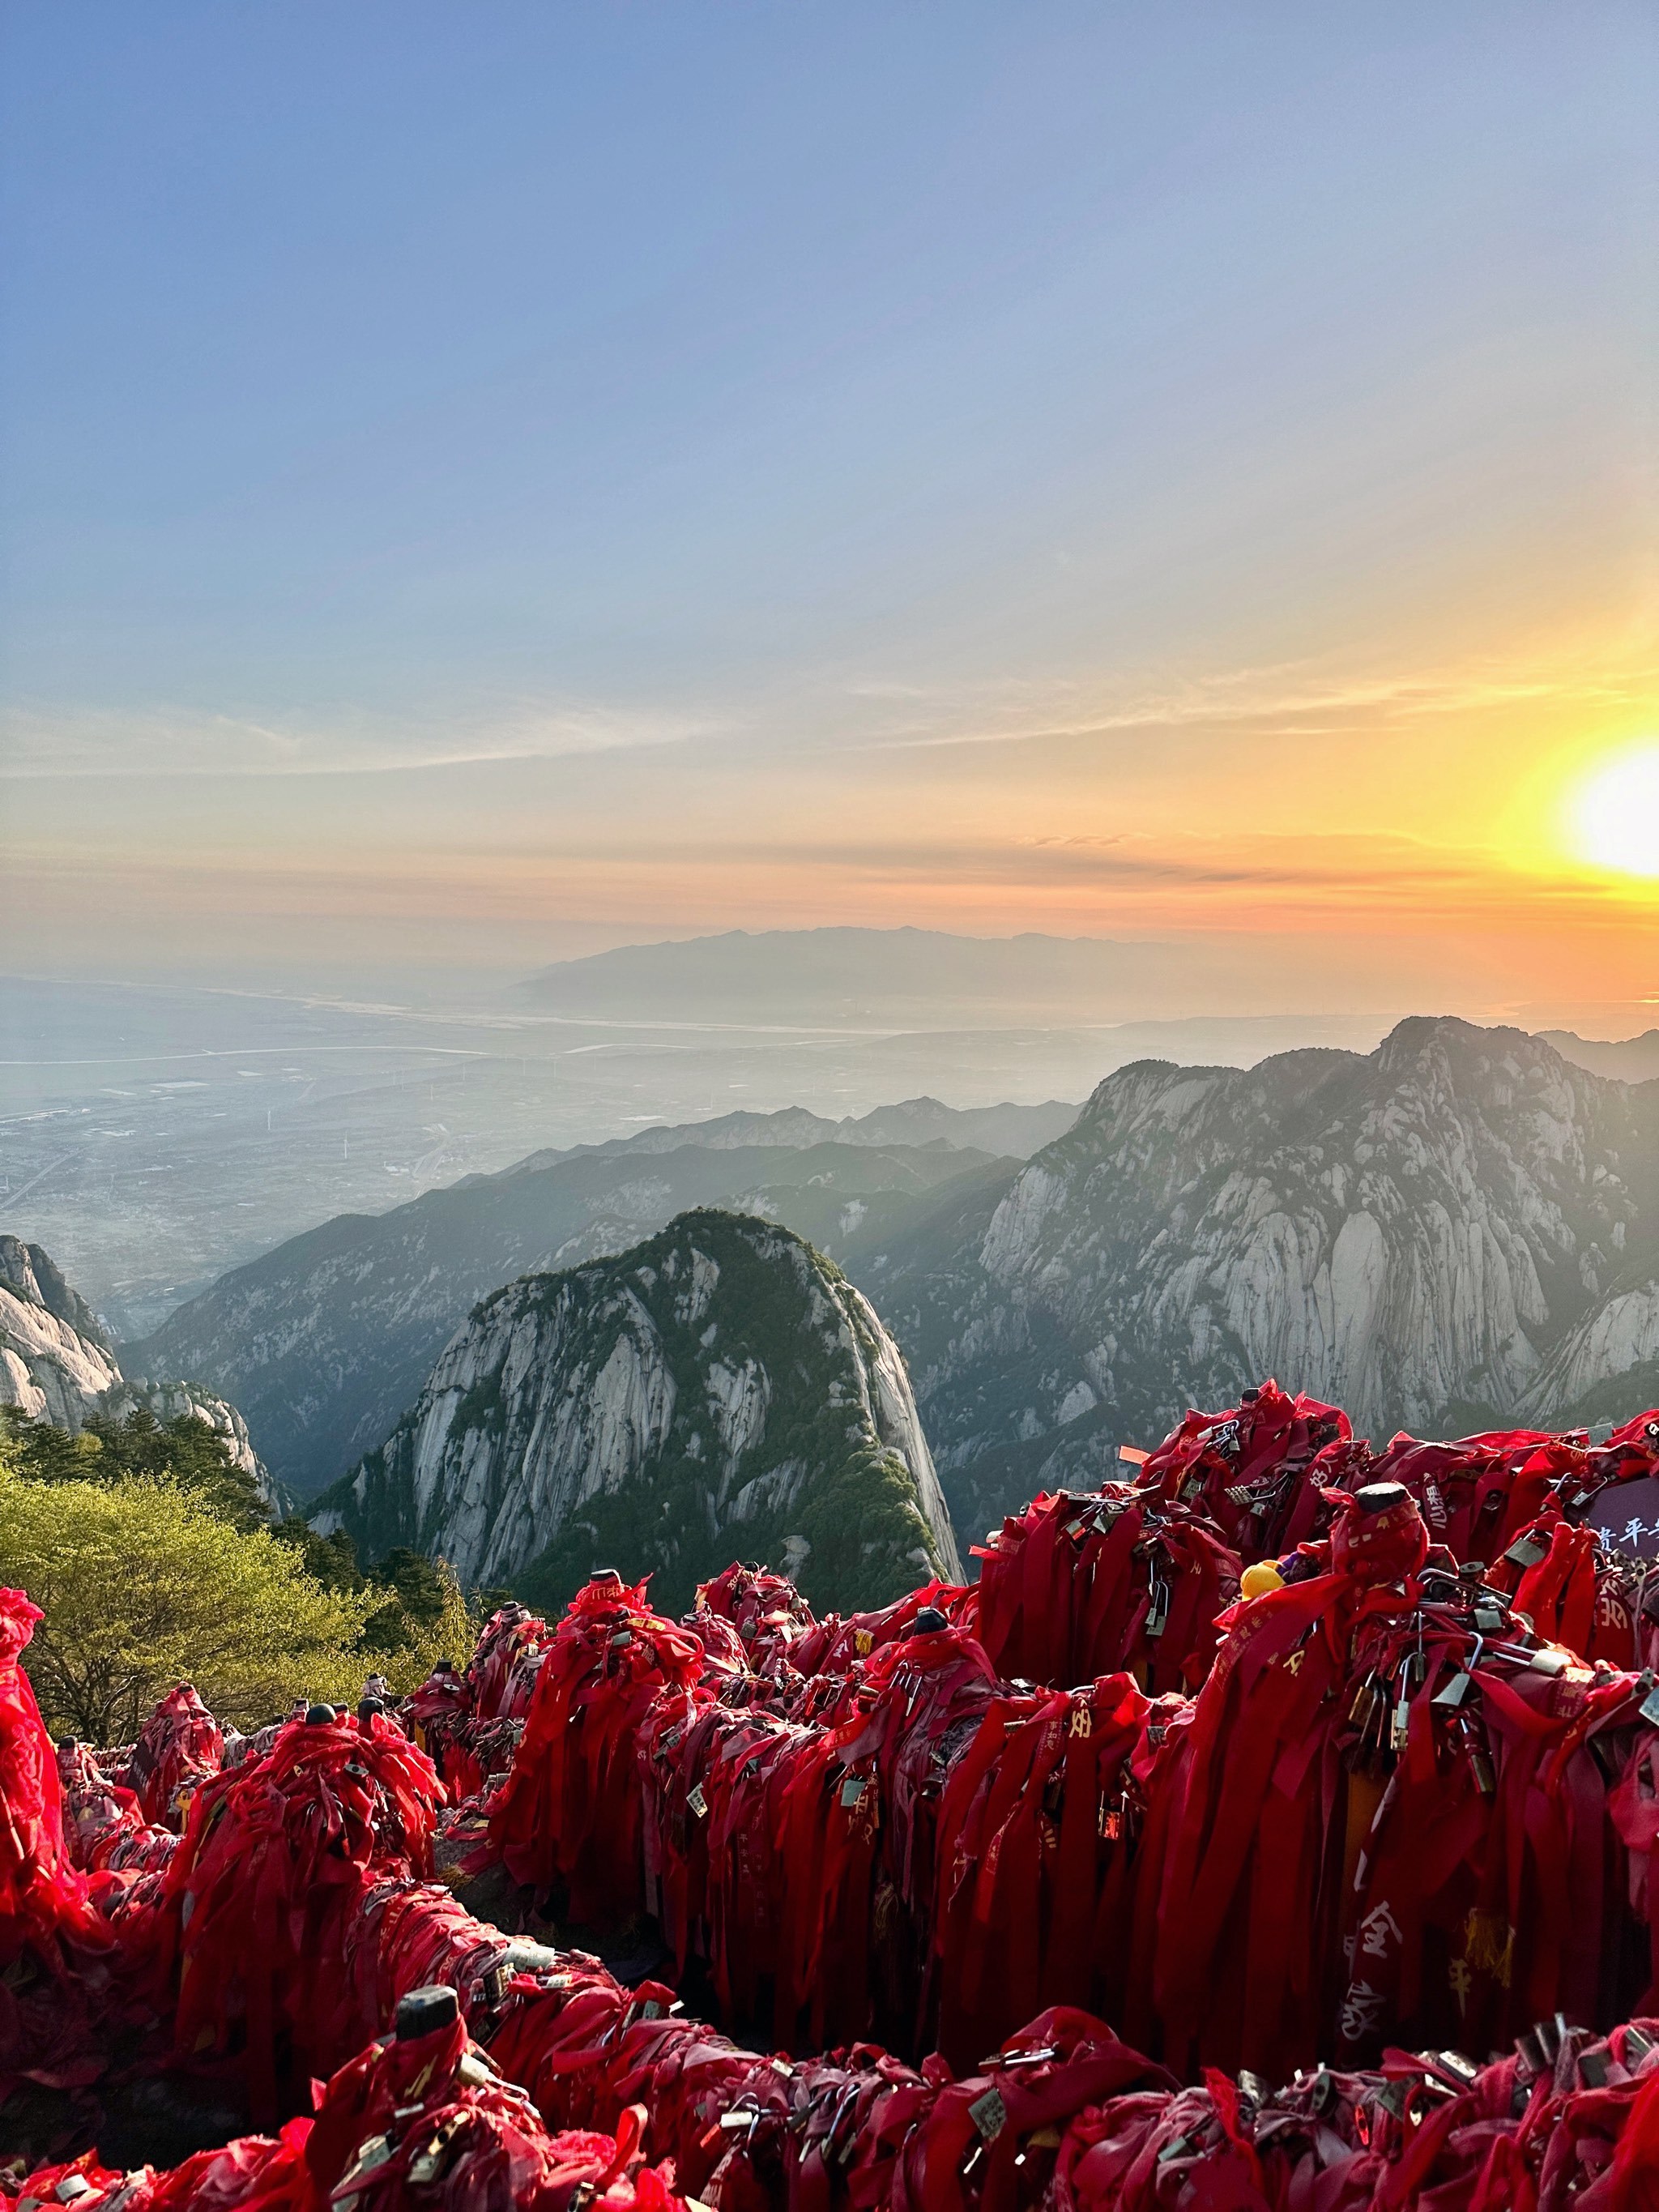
<point>488,482</point>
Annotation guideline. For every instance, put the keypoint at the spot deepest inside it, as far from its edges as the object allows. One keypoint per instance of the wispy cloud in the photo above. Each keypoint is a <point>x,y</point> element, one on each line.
<point>1300,696</point>
<point>1337,864</point>
<point>43,742</point>
<point>839,712</point>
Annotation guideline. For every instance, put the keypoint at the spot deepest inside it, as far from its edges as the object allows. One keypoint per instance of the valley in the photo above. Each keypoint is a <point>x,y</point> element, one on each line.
<point>1460,1221</point>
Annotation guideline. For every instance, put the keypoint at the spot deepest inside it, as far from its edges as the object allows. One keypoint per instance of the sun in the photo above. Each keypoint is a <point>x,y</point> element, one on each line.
<point>1615,813</point>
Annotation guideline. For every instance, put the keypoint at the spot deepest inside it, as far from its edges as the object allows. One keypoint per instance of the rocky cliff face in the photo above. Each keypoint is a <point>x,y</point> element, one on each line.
<point>1460,1225</point>
<point>57,1363</point>
<point>55,1360</point>
<point>720,1390</point>
<point>325,1341</point>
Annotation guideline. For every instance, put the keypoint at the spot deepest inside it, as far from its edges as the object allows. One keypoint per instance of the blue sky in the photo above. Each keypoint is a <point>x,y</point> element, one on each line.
<point>612,452</point>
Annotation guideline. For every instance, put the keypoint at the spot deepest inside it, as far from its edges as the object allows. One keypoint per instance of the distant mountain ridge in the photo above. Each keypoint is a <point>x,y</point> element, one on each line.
<point>1628,1060</point>
<point>1016,1130</point>
<point>802,977</point>
<point>718,1388</point>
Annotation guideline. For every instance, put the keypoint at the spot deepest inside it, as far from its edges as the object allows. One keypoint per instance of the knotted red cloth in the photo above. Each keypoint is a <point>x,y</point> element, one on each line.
<point>179,1747</point>
<point>276,1860</point>
<point>569,1810</point>
<point>42,1895</point>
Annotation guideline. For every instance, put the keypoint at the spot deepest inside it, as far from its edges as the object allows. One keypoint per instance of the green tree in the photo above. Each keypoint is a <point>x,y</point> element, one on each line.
<point>418,1611</point>
<point>143,1586</point>
<point>46,1453</point>
<point>446,1629</point>
<point>110,1451</point>
<point>331,1560</point>
<point>414,1602</point>
<point>196,1456</point>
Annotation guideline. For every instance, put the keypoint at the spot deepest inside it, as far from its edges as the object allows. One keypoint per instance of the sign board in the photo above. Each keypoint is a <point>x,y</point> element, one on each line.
<point>1627,1514</point>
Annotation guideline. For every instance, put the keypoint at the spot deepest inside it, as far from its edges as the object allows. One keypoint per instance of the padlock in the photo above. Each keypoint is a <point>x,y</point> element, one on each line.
<point>1158,1616</point>
<point>1480,1765</point>
<point>1527,1552</point>
<point>1447,1699</point>
<point>1362,1711</point>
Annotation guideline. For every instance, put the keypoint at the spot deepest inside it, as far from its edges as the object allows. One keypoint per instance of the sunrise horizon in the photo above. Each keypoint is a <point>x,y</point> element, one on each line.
<point>1113,478</point>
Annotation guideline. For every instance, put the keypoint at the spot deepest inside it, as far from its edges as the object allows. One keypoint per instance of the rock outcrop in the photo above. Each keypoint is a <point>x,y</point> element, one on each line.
<point>1459,1227</point>
<point>720,1389</point>
<point>57,1364</point>
<point>55,1360</point>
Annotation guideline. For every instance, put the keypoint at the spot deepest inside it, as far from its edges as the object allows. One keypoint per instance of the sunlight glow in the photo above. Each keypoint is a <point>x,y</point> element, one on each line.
<point>1615,813</point>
